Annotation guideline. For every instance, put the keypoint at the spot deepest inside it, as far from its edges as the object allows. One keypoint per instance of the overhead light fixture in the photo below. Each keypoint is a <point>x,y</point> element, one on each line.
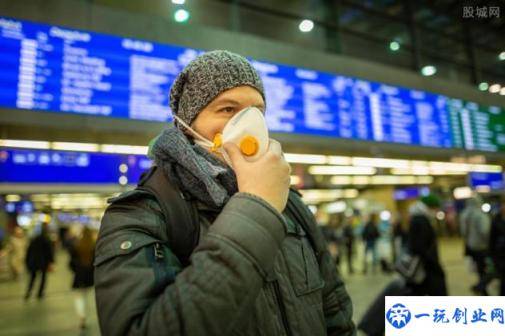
<point>341,170</point>
<point>483,86</point>
<point>411,171</point>
<point>341,180</point>
<point>495,88</point>
<point>425,179</point>
<point>124,149</point>
<point>380,162</point>
<point>338,160</point>
<point>181,15</point>
<point>394,46</point>
<point>502,91</point>
<point>327,195</point>
<point>178,2</point>
<point>501,56</point>
<point>462,192</point>
<point>305,158</point>
<point>306,26</point>
<point>317,159</point>
<point>391,179</point>
<point>361,180</point>
<point>75,146</point>
<point>428,70</point>
<point>336,207</point>
<point>380,180</point>
<point>13,198</point>
<point>25,144</point>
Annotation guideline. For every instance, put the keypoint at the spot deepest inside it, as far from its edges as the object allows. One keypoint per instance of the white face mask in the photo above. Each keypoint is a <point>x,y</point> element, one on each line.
<point>247,129</point>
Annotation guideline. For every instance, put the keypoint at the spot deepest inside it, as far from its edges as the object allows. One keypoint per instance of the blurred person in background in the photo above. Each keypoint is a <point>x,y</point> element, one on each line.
<point>399,237</point>
<point>333,235</point>
<point>497,245</point>
<point>370,235</point>
<point>475,227</point>
<point>348,242</point>
<point>81,263</point>
<point>39,260</point>
<point>17,249</point>
<point>422,242</point>
<point>384,243</point>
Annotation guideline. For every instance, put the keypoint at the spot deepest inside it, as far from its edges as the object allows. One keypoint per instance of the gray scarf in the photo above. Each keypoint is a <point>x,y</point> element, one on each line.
<point>195,170</point>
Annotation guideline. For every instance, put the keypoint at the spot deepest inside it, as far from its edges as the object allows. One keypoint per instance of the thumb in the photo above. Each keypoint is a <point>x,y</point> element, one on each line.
<point>233,152</point>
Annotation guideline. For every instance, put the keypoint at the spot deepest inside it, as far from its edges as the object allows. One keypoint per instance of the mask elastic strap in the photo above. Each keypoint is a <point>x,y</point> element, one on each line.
<point>207,141</point>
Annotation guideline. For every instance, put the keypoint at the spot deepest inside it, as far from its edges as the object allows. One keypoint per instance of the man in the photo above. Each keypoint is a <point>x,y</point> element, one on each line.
<point>255,269</point>
<point>39,259</point>
<point>422,242</point>
<point>370,235</point>
<point>475,228</point>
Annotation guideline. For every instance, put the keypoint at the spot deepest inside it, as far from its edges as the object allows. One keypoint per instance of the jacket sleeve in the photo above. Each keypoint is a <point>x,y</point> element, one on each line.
<point>210,296</point>
<point>337,304</point>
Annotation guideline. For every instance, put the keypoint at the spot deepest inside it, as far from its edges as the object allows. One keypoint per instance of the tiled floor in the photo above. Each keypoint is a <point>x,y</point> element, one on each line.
<point>55,315</point>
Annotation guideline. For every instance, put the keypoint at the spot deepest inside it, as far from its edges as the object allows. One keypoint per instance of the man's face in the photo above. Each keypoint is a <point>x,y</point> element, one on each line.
<point>212,119</point>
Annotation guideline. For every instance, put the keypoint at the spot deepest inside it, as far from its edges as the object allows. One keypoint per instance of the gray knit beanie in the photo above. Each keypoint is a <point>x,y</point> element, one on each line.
<point>206,77</point>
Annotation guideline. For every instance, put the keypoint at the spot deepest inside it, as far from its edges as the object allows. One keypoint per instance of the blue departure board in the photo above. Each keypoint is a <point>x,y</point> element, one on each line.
<point>51,166</point>
<point>494,181</point>
<point>50,68</point>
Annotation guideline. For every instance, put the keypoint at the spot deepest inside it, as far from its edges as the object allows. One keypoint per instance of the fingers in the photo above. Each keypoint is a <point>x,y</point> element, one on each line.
<point>233,152</point>
<point>275,147</point>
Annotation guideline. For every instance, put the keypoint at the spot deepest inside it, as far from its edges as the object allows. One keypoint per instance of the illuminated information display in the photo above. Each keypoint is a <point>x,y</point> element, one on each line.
<point>50,68</point>
<point>50,166</point>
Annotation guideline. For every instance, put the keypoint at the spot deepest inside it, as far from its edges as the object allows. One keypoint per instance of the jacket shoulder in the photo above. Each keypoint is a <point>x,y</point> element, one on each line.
<point>134,216</point>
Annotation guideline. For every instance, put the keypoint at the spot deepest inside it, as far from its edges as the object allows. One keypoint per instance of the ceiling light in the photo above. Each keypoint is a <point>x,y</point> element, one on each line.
<point>428,70</point>
<point>341,170</point>
<point>75,146</point>
<point>25,144</point>
<point>394,46</point>
<point>305,158</point>
<point>380,162</point>
<point>306,26</point>
<point>495,88</point>
<point>181,15</point>
<point>483,86</point>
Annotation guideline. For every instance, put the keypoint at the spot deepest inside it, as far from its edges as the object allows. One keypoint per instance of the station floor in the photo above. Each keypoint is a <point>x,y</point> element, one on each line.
<point>55,314</point>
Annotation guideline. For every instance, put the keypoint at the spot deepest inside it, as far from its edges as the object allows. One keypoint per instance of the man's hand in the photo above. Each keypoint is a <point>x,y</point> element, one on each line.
<point>268,177</point>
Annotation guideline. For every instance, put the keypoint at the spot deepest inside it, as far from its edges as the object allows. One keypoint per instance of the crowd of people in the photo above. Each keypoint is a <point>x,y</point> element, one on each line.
<point>36,255</point>
<point>413,252</point>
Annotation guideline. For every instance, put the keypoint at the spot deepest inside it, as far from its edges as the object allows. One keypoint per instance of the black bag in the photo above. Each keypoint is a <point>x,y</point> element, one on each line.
<point>179,208</point>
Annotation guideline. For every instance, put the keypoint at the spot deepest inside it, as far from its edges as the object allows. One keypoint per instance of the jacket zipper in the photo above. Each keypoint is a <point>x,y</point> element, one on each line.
<point>282,308</point>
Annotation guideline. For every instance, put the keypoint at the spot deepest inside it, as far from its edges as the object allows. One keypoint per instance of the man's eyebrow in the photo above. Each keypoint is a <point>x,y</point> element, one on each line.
<point>226,101</point>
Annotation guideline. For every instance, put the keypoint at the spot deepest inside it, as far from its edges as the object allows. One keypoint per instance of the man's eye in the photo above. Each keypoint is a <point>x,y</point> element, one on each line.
<point>228,109</point>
